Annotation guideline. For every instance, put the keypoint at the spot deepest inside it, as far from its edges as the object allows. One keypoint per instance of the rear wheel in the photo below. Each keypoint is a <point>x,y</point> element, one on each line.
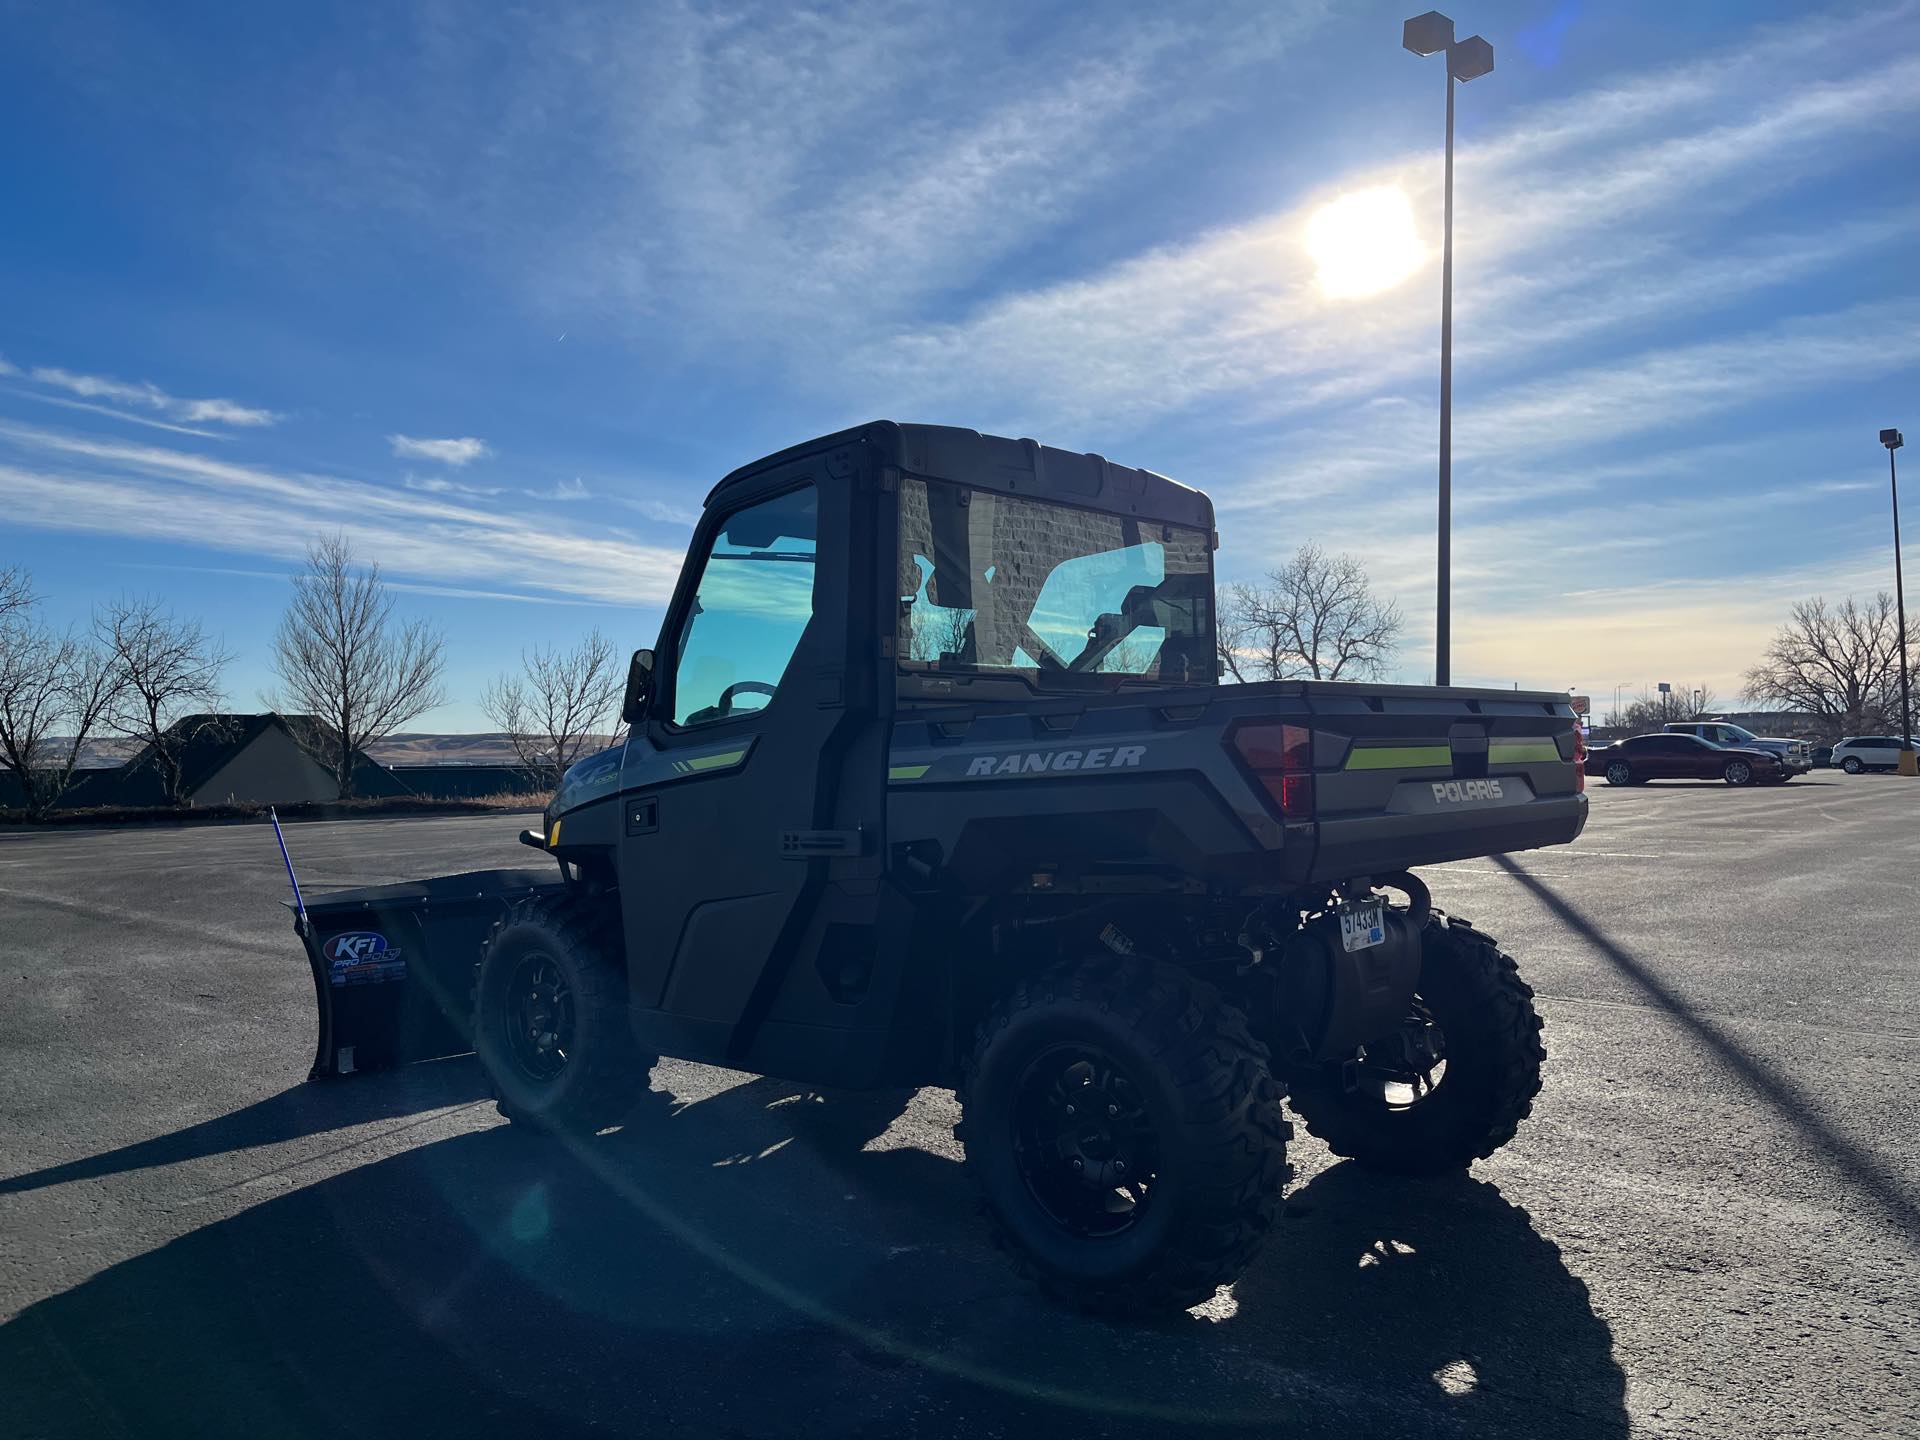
<point>1126,1134</point>
<point>1738,772</point>
<point>1619,773</point>
<point>1852,765</point>
<point>1453,1083</point>
<point>550,1020</point>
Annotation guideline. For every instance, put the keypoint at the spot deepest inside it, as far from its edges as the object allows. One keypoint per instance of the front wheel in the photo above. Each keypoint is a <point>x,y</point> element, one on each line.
<point>1126,1135</point>
<point>1852,765</point>
<point>1449,1087</point>
<point>1738,772</point>
<point>550,1020</point>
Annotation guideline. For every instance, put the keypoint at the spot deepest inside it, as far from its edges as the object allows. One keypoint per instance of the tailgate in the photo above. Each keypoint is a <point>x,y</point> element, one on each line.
<point>1406,776</point>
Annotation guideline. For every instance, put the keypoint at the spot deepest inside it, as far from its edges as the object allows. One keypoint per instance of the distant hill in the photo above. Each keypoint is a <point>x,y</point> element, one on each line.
<point>493,748</point>
<point>97,754</point>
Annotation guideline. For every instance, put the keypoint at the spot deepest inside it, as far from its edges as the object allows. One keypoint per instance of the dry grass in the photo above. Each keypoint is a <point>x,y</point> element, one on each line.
<point>504,803</point>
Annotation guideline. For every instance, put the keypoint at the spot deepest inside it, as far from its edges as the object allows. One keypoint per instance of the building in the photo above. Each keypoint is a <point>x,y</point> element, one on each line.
<point>224,759</point>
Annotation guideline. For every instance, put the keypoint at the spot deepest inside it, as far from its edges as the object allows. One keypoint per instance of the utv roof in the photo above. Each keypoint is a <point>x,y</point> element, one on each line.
<point>994,462</point>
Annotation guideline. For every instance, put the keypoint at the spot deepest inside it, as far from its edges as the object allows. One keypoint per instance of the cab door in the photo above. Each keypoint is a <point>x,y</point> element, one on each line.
<point>736,784</point>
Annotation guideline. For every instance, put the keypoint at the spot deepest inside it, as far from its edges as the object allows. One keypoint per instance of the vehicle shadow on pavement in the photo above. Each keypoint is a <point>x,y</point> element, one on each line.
<point>770,1262</point>
<point>1854,1164</point>
<point>294,1113</point>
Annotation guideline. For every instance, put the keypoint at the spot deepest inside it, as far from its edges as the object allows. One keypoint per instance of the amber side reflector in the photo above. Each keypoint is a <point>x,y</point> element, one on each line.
<point>1282,757</point>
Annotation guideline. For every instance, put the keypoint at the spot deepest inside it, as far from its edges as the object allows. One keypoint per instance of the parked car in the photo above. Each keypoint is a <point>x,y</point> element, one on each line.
<point>1867,752</point>
<point>1664,756</point>
<point>1796,756</point>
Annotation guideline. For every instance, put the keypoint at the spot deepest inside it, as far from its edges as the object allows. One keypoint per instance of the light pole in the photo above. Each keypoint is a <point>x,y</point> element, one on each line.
<point>1468,59</point>
<point>1909,765</point>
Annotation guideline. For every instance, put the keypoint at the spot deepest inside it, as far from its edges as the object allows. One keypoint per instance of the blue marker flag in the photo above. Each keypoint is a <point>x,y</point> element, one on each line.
<point>299,905</point>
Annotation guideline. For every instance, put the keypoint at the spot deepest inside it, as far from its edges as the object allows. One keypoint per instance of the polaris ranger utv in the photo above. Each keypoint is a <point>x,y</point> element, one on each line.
<point>930,782</point>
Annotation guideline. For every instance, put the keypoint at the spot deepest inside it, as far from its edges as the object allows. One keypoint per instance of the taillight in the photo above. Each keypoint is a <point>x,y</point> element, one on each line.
<point>1579,759</point>
<point>1281,758</point>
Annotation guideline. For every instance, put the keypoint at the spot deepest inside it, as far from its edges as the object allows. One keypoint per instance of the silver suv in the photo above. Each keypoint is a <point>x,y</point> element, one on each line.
<point>1796,756</point>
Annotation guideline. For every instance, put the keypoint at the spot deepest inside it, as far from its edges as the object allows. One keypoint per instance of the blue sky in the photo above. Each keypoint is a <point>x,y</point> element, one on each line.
<point>502,292</point>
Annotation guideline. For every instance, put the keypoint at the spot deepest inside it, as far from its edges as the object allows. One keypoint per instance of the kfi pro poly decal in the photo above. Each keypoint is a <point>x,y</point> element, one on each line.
<point>361,957</point>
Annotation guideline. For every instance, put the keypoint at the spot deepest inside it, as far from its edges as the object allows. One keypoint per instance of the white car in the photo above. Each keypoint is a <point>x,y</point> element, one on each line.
<point>1867,752</point>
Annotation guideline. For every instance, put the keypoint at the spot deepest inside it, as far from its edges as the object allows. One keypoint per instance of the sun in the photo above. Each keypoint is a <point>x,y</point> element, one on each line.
<point>1364,243</point>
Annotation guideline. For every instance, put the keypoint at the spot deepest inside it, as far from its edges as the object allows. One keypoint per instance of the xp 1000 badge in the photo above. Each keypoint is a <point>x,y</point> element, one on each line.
<point>361,957</point>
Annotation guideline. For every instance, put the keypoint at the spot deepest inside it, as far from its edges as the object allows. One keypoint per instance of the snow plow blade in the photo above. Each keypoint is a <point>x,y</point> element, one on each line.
<point>393,965</point>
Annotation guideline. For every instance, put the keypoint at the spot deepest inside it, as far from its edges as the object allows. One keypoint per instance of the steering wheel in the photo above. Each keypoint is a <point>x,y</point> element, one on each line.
<point>742,687</point>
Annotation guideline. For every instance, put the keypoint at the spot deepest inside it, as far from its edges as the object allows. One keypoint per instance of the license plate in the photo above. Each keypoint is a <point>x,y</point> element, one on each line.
<point>1362,924</point>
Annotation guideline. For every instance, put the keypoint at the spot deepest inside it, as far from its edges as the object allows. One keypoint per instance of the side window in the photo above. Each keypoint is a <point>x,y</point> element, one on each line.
<point>754,602</point>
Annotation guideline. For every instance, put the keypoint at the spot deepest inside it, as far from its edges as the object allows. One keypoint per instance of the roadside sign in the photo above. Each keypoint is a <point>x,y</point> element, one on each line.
<point>1582,704</point>
<point>1665,688</point>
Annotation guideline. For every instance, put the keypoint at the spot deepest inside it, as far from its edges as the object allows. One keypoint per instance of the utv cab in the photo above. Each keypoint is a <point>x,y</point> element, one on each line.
<point>929,781</point>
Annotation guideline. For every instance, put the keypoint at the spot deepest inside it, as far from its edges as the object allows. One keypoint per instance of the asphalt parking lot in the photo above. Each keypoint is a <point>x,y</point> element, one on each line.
<point>1711,1226</point>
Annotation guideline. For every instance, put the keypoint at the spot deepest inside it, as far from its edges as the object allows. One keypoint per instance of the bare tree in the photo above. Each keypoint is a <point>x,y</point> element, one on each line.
<point>1315,619</point>
<point>1652,709</point>
<point>934,631</point>
<point>1842,662</point>
<point>169,673</point>
<point>16,593</point>
<point>343,659</point>
<point>562,701</point>
<point>54,688</point>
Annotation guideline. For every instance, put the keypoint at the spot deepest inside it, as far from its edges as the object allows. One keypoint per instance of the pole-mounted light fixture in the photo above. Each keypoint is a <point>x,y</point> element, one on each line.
<point>1468,59</point>
<point>1909,763</point>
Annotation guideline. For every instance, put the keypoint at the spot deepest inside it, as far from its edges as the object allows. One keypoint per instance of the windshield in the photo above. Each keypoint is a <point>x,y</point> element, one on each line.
<point>993,582</point>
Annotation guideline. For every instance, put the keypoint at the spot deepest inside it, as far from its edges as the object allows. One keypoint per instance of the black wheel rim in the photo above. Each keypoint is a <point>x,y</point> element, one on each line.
<point>1738,773</point>
<point>1083,1140</point>
<point>1406,1068</point>
<point>538,1019</point>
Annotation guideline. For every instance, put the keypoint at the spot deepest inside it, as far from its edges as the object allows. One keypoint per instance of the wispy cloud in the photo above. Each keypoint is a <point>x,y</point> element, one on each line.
<point>152,397</point>
<point>440,485</point>
<point>124,416</point>
<point>910,148</point>
<point>463,451</point>
<point>1617,236</point>
<point>87,485</point>
<point>1633,394</point>
<point>563,490</point>
<point>661,512</point>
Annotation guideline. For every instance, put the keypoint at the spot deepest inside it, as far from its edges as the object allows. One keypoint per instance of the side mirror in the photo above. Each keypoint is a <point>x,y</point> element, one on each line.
<point>633,707</point>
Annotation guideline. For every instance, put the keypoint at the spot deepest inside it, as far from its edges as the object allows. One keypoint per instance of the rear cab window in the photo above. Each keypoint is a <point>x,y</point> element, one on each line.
<point>992,583</point>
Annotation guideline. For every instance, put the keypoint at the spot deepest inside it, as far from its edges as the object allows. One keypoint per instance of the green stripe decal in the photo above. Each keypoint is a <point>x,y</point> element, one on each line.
<point>908,772</point>
<point>1523,752</point>
<point>715,762</point>
<point>1399,757</point>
